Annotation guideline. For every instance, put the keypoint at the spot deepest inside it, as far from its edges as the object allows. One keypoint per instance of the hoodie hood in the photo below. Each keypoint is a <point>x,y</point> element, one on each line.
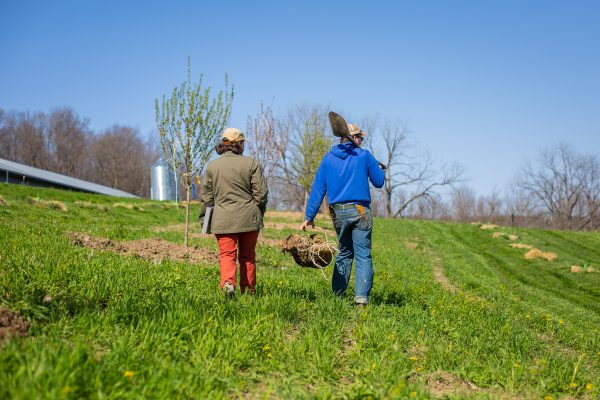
<point>343,150</point>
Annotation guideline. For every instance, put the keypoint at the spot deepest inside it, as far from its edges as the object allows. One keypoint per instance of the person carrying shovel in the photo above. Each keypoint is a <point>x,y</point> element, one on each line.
<point>344,175</point>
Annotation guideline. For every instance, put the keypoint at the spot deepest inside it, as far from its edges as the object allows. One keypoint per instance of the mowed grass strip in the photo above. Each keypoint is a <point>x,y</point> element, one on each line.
<point>104,325</point>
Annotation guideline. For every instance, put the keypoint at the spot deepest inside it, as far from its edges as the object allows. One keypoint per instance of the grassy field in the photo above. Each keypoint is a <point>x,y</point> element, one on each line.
<point>455,313</point>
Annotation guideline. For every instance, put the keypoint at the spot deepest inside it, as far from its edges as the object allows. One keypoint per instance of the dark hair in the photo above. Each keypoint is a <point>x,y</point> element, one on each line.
<point>235,148</point>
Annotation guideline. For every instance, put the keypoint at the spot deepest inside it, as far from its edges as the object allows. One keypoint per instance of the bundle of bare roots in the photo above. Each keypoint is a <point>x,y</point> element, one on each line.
<point>310,251</point>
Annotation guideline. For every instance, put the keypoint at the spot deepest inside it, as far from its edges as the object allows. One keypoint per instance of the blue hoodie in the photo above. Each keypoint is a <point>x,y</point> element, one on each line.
<point>344,175</point>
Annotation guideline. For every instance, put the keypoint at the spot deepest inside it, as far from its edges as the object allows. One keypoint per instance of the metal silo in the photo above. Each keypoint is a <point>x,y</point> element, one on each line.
<point>163,181</point>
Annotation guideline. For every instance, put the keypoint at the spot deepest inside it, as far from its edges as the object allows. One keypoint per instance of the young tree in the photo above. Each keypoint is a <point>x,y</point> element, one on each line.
<point>310,150</point>
<point>189,123</point>
<point>309,141</point>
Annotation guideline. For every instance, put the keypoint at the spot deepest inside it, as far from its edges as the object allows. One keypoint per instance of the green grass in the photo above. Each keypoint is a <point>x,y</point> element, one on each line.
<point>511,327</point>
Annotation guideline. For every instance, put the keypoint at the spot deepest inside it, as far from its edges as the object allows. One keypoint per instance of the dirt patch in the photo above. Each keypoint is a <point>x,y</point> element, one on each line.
<point>411,245</point>
<point>153,249</point>
<point>3,202</point>
<point>497,235</point>
<point>537,253</point>
<point>577,269</point>
<point>439,275</point>
<point>12,324</point>
<point>442,383</point>
<point>311,251</point>
<point>266,241</point>
<point>292,333</point>
<point>550,341</point>
<point>513,237</point>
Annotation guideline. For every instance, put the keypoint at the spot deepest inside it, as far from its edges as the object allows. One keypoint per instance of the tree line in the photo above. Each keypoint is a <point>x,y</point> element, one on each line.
<point>560,188</point>
<point>61,141</point>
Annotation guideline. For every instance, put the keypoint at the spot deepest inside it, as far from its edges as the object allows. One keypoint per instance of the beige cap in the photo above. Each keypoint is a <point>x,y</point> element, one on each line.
<point>232,135</point>
<point>355,130</point>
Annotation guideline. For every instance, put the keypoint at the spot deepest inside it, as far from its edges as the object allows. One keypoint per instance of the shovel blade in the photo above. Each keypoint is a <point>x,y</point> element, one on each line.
<point>338,125</point>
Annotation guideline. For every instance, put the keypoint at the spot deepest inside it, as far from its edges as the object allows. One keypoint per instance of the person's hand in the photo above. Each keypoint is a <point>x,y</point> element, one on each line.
<point>307,224</point>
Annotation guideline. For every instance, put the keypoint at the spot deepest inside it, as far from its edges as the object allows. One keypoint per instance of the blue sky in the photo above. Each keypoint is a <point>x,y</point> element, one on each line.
<point>484,83</point>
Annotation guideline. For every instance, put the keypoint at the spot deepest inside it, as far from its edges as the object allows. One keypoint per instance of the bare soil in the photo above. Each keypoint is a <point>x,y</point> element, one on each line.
<point>442,383</point>
<point>12,324</point>
<point>266,241</point>
<point>153,249</point>
<point>440,276</point>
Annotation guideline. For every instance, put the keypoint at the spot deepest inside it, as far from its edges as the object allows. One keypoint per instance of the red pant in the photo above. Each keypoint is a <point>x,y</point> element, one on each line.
<point>228,246</point>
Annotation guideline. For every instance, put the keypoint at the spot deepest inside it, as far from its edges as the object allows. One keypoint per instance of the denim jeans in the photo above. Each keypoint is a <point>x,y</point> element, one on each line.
<point>354,237</point>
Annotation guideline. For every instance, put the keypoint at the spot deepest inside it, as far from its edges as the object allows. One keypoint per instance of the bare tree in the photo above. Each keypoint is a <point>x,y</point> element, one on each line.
<point>412,173</point>
<point>189,124</point>
<point>565,185</point>
<point>304,137</point>
<point>121,159</point>
<point>429,207</point>
<point>67,140</point>
<point>7,141</point>
<point>463,203</point>
<point>23,138</point>
<point>266,144</point>
<point>489,208</point>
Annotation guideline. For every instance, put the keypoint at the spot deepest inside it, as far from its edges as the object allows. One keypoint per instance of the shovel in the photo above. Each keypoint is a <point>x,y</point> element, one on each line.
<point>340,129</point>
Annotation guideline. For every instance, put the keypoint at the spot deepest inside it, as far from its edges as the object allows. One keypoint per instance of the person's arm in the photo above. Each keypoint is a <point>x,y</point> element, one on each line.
<point>317,193</point>
<point>376,174</point>
<point>260,191</point>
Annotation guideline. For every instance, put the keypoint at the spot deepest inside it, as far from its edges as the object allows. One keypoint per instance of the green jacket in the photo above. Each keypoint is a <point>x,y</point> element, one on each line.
<point>234,185</point>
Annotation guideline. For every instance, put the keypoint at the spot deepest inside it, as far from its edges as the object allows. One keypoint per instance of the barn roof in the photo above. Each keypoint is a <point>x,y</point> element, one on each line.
<point>11,169</point>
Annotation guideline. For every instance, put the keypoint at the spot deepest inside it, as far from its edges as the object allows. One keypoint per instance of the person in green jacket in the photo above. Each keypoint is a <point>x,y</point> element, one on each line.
<point>236,189</point>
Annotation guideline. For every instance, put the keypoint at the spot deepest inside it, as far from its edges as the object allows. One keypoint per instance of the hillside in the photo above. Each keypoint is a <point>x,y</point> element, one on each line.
<point>97,312</point>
